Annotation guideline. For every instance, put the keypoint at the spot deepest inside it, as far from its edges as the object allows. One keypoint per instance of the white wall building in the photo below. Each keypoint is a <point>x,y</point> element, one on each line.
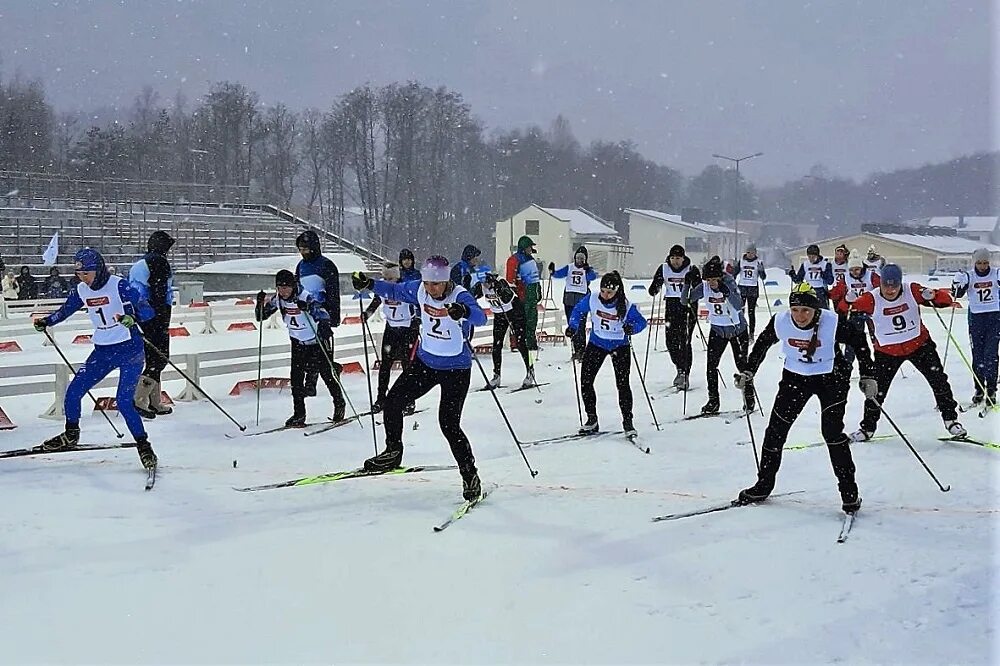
<point>653,233</point>
<point>558,232</point>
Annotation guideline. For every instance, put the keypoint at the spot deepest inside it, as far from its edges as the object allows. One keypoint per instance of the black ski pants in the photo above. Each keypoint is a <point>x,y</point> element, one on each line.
<point>579,339</point>
<point>716,345</point>
<point>750,296</point>
<point>417,380</point>
<point>927,362</point>
<point>502,322</point>
<point>794,391</point>
<point>306,359</point>
<point>621,361</point>
<point>679,322</point>
<point>157,332</point>
<point>397,345</point>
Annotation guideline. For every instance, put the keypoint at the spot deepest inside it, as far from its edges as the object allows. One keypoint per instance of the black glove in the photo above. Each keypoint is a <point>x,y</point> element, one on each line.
<point>323,329</point>
<point>360,281</point>
<point>628,329</point>
<point>258,309</point>
<point>653,291</point>
<point>40,325</point>
<point>505,293</point>
<point>261,297</point>
<point>570,331</point>
<point>490,279</point>
<point>302,305</point>
<point>458,311</point>
<point>552,267</point>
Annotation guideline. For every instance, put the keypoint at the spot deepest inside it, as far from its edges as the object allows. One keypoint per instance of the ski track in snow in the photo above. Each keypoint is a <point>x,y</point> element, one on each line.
<point>563,568</point>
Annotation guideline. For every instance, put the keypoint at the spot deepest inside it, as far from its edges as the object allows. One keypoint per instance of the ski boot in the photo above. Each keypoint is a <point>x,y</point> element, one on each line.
<point>758,492</point>
<point>296,420</point>
<point>956,429</point>
<point>386,461</point>
<point>977,398</point>
<point>156,401</point>
<point>851,502</point>
<point>591,426</point>
<point>495,382</point>
<point>143,397</point>
<point>628,428</point>
<point>862,435</point>
<point>472,487</point>
<point>378,406</point>
<point>339,408</point>
<point>146,455</point>
<point>529,379</point>
<point>63,441</point>
<point>682,382</point>
<point>712,406</point>
<point>410,409</point>
<point>677,379</point>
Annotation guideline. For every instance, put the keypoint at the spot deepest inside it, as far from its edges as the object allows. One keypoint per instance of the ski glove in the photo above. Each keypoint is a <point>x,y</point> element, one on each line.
<point>360,281</point>
<point>552,267</point>
<point>458,311</point>
<point>869,387</point>
<point>851,297</point>
<point>653,291</point>
<point>570,331</point>
<point>627,329</point>
<point>40,325</point>
<point>928,294</point>
<point>743,379</point>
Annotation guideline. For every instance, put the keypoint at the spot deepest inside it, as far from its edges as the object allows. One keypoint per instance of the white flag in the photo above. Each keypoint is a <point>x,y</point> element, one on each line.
<point>52,251</point>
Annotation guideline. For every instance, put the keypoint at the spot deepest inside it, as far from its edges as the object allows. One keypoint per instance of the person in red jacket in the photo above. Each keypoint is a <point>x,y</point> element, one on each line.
<point>898,335</point>
<point>859,280</point>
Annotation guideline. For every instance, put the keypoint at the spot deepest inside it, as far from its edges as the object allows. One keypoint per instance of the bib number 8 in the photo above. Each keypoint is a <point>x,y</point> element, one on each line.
<point>717,308</point>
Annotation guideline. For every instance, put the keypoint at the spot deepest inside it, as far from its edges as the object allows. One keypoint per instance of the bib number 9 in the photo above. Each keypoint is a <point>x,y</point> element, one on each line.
<point>899,322</point>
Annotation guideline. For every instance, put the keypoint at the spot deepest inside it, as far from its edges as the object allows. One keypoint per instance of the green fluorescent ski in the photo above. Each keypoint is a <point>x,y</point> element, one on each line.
<point>349,474</point>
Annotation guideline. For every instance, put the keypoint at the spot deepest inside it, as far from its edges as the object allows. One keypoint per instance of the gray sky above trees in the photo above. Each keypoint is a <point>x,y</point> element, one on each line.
<point>858,86</point>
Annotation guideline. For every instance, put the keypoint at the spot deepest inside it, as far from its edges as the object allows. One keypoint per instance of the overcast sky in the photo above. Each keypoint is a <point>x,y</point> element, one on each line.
<point>859,86</point>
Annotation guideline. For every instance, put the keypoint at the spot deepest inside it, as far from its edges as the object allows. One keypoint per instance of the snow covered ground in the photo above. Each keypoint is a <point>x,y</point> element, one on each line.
<point>562,568</point>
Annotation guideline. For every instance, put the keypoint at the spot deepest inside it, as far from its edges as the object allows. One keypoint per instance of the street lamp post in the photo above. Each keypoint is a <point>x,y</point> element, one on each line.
<point>736,222</point>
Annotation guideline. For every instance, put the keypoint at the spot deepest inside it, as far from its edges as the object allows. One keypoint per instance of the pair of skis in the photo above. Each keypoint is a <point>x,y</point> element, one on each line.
<point>842,536</point>
<point>309,429</point>
<point>457,514</point>
<point>631,439</point>
<point>40,451</point>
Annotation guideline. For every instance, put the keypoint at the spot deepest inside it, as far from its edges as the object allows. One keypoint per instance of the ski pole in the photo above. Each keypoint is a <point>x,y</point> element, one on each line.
<point>753,442</point>
<point>333,368</point>
<point>260,349</point>
<point>493,392</point>
<point>192,382</point>
<point>367,329</point>
<point>650,334</point>
<point>899,432</point>
<point>965,358</point>
<point>767,301</point>
<point>642,381</point>
<point>701,334</point>
<point>576,386</point>
<point>947,344</point>
<point>368,374</point>
<point>118,433</point>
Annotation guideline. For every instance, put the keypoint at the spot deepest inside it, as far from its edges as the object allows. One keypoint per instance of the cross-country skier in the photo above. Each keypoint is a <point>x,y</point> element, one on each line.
<point>874,260</point>
<point>464,270</point>
<point>152,277</point>
<point>814,366</point>
<point>840,264</point>
<point>578,276</point>
<point>507,314</point>
<point>859,280</point>
<point>728,328</point>
<point>522,273</point>
<point>444,358</point>
<point>402,326</point>
<point>982,285</point>
<point>319,276</point>
<point>750,271</point>
<point>308,323</point>
<point>407,270</point>
<point>817,272</point>
<point>114,308</point>
<point>613,322</point>
<point>899,335</point>
<point>677,276</point>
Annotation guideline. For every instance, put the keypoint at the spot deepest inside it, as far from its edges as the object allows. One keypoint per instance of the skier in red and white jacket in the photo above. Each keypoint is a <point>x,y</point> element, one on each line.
<point>898,334</point>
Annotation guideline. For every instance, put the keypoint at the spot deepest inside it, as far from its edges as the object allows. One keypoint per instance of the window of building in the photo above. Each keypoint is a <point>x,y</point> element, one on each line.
<point>531,227</point>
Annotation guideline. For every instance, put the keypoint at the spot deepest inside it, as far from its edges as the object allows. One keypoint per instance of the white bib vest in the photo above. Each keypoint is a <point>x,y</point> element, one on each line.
<point>749,272</point>
<point>604,320</point>
<point>814,273</point>
<point>296,320</point>
<point>576,280</point>
<point>440,335</point>
<point>858,286</point>
<point>839,271</point>
<point>984,292</point>
<point>896,321</point>
<point>496,305</point>
<point>795,342</point>
<point>719,311</point>
<point>104,307</point>
<point>396,313</point>
<point>673,281</point>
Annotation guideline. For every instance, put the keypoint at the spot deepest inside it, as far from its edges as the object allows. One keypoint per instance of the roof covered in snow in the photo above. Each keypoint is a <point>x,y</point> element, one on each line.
<point>973,223</point>
<point>940,244</point>
<point>581,222</point>
<point>676,219</point>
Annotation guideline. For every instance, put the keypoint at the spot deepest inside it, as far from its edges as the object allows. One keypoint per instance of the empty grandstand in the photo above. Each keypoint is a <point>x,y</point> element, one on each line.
<point>210,223</point>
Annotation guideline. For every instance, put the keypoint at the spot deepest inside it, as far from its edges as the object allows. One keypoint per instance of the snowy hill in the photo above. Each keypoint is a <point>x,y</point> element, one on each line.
<point>563,568</point>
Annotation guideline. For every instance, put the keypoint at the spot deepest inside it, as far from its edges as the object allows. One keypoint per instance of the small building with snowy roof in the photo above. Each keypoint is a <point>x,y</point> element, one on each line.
<point>653,233</point>
<point>558,232</point>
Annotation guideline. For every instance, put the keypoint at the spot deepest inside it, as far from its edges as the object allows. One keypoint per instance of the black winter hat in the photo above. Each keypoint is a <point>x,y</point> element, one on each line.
<point>406,253</point>
<point>676,251</point>
<point>284,279</point>
<point>612,280</point>
<point>160,242</point>
<point>712,270</point>
<point>582,250</point>
<point>812,249</point>
<point>308,239</point>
